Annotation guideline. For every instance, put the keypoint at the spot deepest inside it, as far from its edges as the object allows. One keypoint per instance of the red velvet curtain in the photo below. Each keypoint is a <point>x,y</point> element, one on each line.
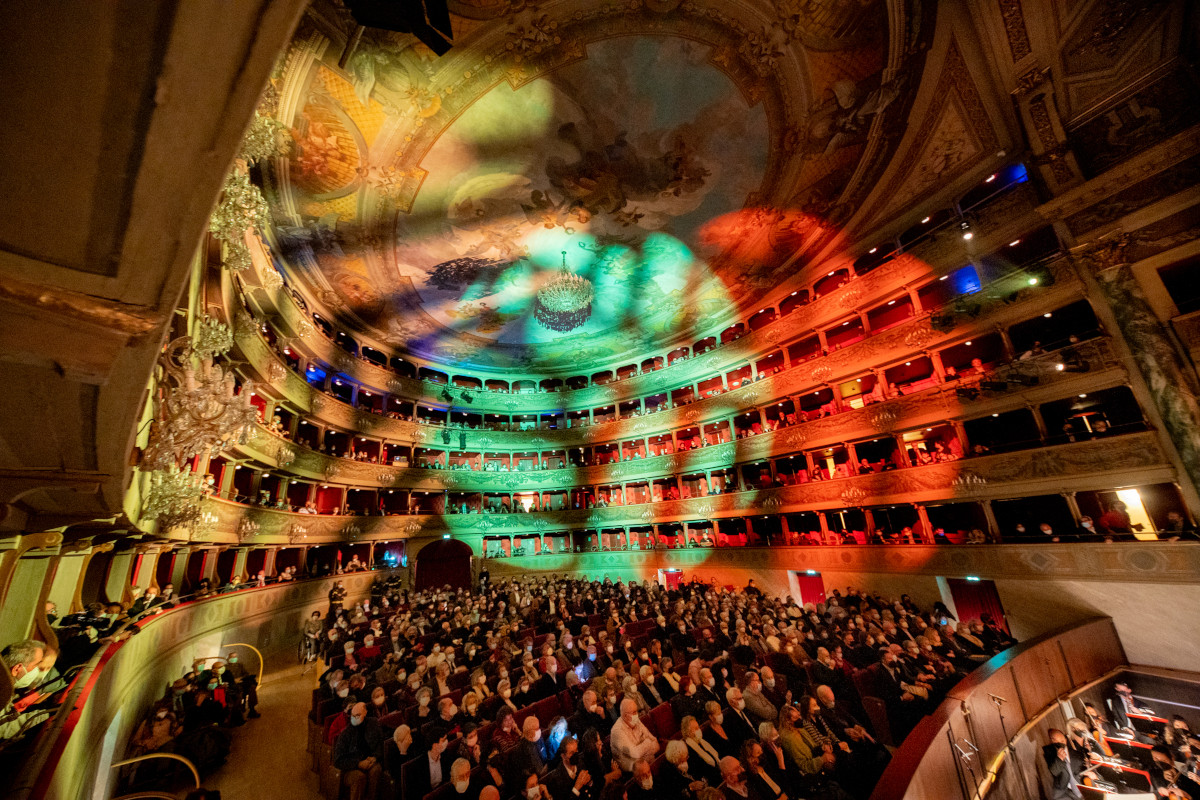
<point>444,562</point>
<point>973,599</point>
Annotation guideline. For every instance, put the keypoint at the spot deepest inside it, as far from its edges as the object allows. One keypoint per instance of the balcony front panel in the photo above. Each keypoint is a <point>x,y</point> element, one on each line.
<point>1124,460</point>
<point>916,335</point>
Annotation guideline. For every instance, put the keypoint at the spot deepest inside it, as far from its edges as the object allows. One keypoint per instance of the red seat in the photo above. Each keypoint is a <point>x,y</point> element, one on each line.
<point>546,710</point>
<point>393,720</point>
<point>662,722</point>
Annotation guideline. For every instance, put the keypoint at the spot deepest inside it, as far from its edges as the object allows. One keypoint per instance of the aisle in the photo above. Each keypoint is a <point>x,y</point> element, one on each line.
<point>268,758</point>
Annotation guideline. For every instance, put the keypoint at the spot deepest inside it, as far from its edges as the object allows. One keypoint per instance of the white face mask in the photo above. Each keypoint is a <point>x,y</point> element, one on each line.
<point>424,701</point>
<point>30,677</point>
<point>648,783</point>
<point>697,735</point>
<point>344,691</point>
<point>533,792</point>
<point>770,682</point>
<point>461,786</point>
<point>741,705</point>
<point>719,719</point>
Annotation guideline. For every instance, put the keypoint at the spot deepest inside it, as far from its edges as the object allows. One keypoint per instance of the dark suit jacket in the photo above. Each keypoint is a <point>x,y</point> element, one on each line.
<point>672,783</point>
<point>561,785</point>
<point>1063,787</point>
<point>739,729</point>
<point>1116,704</point>
<point>356,743</point>
<point>527,756</point>
<point>419,781</point>
<point>581,720</point>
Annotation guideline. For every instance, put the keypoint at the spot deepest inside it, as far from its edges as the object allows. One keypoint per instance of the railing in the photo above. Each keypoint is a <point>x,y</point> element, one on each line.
<point>980,715</point>
<point>1131,458</point>
<point>76,749</point>
<point>841,363</point>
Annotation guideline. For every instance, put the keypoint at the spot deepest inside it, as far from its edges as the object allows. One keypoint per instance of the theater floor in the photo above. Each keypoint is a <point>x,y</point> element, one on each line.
<point>269,758</point>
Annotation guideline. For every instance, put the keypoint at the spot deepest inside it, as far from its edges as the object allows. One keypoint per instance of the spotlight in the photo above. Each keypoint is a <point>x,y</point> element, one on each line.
<point>967,233</point>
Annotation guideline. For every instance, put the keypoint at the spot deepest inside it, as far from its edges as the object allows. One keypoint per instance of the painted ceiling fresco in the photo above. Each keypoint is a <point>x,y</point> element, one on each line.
<point>679,159</point>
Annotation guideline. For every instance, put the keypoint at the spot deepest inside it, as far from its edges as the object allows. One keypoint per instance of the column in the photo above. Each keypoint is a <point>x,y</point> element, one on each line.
<point>179,560</point>
<point>1006,343</point>
<point>866,323</point>
<point>225,487</point>
<point>960,432</point>
<point>1073,505</point>
<point>209,569</point>
<point>823,340</point>
<point>824,527</point>
<point>938,367</point>
<point>903,450</point>
<point>1038,421</point>
<point>989,514</point>
<point>869,519</point>
<point>269,561</point>
<point>852,456</point>
<point>926,527</point>
<point>239,564</point>
<point>27,568</point>
<point>915,297</point>
<point>120,572</point>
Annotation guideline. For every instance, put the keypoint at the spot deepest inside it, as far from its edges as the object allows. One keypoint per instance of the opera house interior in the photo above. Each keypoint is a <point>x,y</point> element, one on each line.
<point>601,399</point>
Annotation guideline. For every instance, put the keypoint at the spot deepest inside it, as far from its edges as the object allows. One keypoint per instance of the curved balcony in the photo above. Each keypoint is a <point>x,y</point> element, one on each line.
<point>1129,459</point>
<point>74,752</point>
<point>873,287</point>
<point>1031,679</point>
<point>915,335</point>
<point>934,405</point>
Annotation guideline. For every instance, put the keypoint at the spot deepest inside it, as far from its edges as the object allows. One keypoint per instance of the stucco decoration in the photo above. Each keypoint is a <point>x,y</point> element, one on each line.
<point>676,160</point>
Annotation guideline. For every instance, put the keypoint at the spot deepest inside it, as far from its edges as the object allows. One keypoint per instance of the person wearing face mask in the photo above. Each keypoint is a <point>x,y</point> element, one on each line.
<point>533,788</point>
<point>757,705</point>
<point>774,688</point>
<point>432,769</point>
<point>686,702</point>
<point>532,754</point>
<point>357,751</point>
<point>571,779</point>
<point>590,714</point>
<point>642,786</point>
<point>246,684</point>
<point>739,726</point>
<point>716,735</point>
<point>461,782</point>
<point>156,731</point>
<point>703,759</point>
<point>706,692</point>
<point>630,740</point>
<point>551,681</point>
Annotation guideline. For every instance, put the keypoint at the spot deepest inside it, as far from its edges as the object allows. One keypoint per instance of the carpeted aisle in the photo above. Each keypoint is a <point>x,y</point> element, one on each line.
<point>268,758</point>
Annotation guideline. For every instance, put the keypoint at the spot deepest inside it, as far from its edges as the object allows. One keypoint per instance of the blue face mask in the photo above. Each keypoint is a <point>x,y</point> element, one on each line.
<point>212,687</point>
<point>356,721</point>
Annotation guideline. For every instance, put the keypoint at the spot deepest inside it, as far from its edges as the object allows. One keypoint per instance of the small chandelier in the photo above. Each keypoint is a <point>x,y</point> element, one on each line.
<point>197,408</point>
<point>173,498</point>
<point>565,301</point>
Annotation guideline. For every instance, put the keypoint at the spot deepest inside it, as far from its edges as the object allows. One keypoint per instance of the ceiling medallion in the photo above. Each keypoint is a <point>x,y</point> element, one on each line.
<point>565,301</point>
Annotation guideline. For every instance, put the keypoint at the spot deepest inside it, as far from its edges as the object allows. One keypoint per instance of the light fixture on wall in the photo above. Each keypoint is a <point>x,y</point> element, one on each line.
<point>197,407</point>
<point>967,233</point>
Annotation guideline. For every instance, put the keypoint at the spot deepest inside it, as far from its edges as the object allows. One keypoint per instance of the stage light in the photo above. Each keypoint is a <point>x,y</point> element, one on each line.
<point>873,249</point>
<point>967,233</point>
<point>925,220</point>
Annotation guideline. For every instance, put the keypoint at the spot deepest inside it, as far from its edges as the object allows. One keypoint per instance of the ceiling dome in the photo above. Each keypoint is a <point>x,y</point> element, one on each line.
<point>675,161</point>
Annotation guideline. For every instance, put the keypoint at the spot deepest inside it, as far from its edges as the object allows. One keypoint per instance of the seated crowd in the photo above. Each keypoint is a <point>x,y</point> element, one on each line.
<point>555,688</point>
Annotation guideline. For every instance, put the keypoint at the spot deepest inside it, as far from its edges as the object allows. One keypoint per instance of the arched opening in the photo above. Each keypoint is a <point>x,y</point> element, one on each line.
<point>446,561</point>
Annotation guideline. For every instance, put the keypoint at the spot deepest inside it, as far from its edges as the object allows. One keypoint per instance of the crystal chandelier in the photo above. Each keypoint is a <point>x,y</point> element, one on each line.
<point>197,408</point>
<point>565,301</point>
<point>173,498</point>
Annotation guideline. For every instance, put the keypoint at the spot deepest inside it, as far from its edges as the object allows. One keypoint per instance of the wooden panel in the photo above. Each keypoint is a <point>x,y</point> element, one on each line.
<point>1030,677</point>
<point>1091,650</point>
